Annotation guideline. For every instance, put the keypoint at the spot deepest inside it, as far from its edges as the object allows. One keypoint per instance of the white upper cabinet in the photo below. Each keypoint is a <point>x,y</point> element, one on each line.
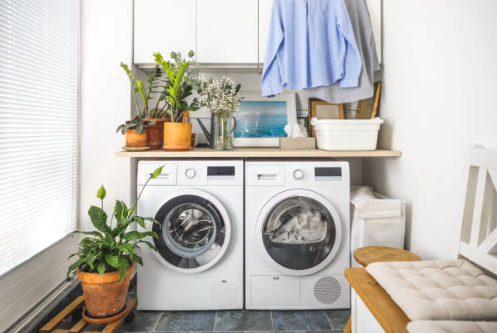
<point>219,31</point>
<point>374,8</point>
<point>163,26</point>
<point>265,8</point>
<point>227,31</point>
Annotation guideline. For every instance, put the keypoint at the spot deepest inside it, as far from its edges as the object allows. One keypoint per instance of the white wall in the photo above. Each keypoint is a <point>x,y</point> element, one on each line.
<point>106,40</point>
<point>439,79</point>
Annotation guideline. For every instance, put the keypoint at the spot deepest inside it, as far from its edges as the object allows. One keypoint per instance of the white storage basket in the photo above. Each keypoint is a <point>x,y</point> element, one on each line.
<point>377,220</point>
<point>346,134</point>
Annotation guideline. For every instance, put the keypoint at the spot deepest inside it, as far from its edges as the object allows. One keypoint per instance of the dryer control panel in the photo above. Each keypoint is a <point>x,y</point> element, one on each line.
<point>298,174</point>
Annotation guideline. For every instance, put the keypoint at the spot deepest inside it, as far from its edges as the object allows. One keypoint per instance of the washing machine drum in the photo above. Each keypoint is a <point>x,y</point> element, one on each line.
<point>300,232</point>
<point>193,232</point>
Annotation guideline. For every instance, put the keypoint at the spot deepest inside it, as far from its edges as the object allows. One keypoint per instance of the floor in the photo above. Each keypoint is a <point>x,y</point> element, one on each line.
<point>233,321</point>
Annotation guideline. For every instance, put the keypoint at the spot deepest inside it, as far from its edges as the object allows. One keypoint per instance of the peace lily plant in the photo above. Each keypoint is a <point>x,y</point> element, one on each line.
<point>108,253</point>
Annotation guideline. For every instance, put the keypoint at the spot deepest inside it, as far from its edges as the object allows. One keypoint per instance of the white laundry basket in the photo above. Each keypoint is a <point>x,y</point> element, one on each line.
<point>377,220</point>
<point>346,134</point>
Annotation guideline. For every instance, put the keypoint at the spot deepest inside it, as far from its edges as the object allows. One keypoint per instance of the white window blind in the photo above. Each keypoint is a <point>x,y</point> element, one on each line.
<point>38,126</point>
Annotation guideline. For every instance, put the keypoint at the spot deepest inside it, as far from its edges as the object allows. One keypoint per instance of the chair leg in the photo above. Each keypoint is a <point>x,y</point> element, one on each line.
<point>348,328</point>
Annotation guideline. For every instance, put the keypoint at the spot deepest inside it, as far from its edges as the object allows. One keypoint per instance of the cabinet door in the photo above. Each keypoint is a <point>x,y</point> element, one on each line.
<point>265,8</point>
<point>227,31</point>
<point>374,8</point>
<point>163,26</point>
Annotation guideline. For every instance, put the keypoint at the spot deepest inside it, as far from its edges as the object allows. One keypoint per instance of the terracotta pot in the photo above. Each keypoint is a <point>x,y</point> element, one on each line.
<point>104,295</point>
<point>135,139</point>
<point>177,136</point>
<point>155,133</point>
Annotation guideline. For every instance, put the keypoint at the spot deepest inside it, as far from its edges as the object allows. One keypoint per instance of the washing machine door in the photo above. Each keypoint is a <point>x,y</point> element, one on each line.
<point>194,231</point>
<point>299,232</point>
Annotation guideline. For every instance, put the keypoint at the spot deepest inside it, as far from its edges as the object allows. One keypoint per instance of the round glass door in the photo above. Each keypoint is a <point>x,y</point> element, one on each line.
<point>300,233</point>
<point>193,232</point>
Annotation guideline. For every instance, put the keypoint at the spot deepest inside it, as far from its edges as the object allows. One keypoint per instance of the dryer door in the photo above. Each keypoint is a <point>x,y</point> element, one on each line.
<point>194,231</point>
<point>299,232</point>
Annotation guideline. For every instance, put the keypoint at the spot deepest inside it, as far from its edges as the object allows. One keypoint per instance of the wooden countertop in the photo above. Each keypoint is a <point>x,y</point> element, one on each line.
<point>259,152</point>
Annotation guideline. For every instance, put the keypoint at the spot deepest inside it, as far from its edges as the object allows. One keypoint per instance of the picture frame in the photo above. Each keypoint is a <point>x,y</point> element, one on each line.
<point>323,110</point>
<point>368,108</point>
<point>261,120</point>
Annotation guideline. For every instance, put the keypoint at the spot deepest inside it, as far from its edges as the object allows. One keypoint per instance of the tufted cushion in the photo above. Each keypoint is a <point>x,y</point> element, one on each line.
<point>438,290</point>
<point>427,326</point>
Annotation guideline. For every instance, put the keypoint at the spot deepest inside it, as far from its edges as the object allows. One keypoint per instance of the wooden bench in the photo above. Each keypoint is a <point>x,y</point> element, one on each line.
<point>374,311</point>
<point>368,289</point>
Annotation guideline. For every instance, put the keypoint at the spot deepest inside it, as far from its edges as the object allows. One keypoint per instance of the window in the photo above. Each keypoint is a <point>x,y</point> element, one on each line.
<point>38,126</point>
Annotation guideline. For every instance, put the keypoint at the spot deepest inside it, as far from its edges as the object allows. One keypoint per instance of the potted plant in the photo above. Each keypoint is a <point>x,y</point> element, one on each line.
<point>179,85</point>
<point>223,98</point>
<point>107,257</point>
<point>146,129</point>
<point>136,132</point>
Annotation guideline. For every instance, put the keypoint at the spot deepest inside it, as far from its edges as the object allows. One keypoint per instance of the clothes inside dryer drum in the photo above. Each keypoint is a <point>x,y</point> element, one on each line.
<point>299,233</point>
<point>298,221</point>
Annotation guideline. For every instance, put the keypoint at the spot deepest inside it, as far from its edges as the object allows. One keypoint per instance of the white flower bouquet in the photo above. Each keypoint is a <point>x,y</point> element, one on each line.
<point>221,96</point>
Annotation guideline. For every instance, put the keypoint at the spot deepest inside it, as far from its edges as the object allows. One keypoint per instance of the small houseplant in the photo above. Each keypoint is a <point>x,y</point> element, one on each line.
<point>181,80</point>
<point>107,257</point>
<point>223,98</point>
<point>145,130</point>
<point>136,131</point>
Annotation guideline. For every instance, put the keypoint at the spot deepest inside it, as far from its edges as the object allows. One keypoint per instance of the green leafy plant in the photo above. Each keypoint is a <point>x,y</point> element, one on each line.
<point>112,248</point>
<point>181,80</point>
<point>144,93</point>
<point>137,123</point>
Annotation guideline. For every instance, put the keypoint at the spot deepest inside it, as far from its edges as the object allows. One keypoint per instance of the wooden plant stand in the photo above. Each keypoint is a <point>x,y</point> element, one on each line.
<point>75,309</point>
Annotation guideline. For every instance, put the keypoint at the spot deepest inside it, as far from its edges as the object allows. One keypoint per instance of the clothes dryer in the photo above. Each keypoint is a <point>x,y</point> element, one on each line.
<point>297,225</point>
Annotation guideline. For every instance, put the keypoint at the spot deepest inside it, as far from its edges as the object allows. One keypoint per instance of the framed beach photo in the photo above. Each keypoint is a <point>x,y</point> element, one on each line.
<point>261,120</point>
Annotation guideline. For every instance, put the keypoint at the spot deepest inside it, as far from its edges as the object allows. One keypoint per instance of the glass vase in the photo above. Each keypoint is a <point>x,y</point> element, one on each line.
<point>224,140</point>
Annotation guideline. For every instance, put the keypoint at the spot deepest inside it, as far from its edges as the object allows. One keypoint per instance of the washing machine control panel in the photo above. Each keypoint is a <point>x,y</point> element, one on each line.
<point>327,174</point>
<point>203,172</point>
<point>190,173</point>
<point>227,171</point>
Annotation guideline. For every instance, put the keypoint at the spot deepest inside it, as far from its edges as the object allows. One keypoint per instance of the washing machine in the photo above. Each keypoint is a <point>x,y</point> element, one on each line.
<point>199,260</point>
<point>297,225</point>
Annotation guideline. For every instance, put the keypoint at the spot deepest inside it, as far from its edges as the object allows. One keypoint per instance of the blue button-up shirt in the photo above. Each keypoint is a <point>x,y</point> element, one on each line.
<point>311,44</point>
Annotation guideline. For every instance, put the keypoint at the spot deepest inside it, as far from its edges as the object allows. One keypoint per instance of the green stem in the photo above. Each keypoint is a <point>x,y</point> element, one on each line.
<point>138,198</point>
<point>136,102</point>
